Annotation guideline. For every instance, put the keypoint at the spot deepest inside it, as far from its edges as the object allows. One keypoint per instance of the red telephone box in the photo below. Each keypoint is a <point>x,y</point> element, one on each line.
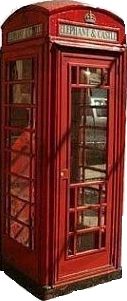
<point>63,129</point>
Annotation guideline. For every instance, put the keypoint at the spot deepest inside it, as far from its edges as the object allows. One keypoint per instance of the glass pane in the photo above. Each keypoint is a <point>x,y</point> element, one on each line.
<point>74,75</point>
<point>20,187</point>
<point>71,222</point>
<point>95,138</point>
<point>20,210</point>
<point>96,107</point>
<point>21,93</point>
<point>20,117</point>
<point>87,218</point>
<point>93,76</point>
<point>22,141</point>
<point>72,198</point>
<point>103,238</point>
<point>88,241</point>
<point>20,233</point>
<point>71,245</point>
<point>20,164</point>
<point>88,196</point>
<point>94,175</point>
<point>21,69</point>
<point>88,134</point>
<point>103,216</point>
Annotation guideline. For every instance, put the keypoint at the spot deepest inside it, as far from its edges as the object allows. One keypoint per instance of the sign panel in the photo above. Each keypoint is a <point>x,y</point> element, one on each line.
<point>24,33</point>
<point>88,33</point>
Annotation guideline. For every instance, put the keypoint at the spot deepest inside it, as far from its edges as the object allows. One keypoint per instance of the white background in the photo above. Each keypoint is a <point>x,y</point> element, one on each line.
<point>117,289</point>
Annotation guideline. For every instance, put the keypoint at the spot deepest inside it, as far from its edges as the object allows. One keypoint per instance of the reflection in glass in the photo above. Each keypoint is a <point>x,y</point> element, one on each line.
<point>20,117</point>
<point>103,217</point>
<point>20,151</point>
<point>20,233</point>
<point>20,164</point>
<point>22,141</point>
<point>93,76</point>
<point>88,196</point>
<point>19,187</point>
<point>88,134</point>
<point>88,241</point>
<point>20,210</point>
<point>91,174</point>
<point>71,245</point>
<point>21,93</point>
<point>87,218</point>
<point>21,69</point>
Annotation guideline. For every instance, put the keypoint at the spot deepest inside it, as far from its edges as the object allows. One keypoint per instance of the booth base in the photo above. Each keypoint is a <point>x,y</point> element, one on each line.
<point>47,292</point>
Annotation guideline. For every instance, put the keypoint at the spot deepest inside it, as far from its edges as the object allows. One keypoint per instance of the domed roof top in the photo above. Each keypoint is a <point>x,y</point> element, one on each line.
<point>54,4</point>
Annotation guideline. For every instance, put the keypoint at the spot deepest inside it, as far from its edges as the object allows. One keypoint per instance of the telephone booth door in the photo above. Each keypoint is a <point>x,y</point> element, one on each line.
<point>86,163</point>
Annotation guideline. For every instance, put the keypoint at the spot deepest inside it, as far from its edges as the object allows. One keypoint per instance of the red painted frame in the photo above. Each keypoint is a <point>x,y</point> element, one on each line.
<point>43,267</point>
<point>98,61</point>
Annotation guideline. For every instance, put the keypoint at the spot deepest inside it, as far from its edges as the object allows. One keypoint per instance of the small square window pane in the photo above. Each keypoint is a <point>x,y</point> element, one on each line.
<point>19,187</point>
<point>88,196</point>
<point>20,233</point>
<point>20,164</point>
<point>87,218</point>
<point>20,117</point>
<point>21,93</point>
<point>21,69</point>
<point>93,76</point>
<point>22,141</point>
<point>88,241</point>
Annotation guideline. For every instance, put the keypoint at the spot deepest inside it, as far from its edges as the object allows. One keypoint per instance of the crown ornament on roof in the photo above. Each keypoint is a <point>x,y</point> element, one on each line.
<point>90,18</point>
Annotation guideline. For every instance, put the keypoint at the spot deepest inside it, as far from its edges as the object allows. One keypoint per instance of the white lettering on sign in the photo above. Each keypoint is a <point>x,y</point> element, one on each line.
<point>25,33</point>
<point>87,33</point>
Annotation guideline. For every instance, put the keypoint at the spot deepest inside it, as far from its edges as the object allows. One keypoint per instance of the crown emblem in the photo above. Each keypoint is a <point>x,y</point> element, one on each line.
<point>90,17</point>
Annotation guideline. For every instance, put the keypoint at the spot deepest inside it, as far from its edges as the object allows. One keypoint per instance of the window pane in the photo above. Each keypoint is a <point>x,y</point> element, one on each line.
<point>93,76</point>
<point>88,134</point>
<point>21,93</point>
<point>103,217</point>
<point>88,241</point>
<point>87,218</point>
<point>74,75</point>
<point>72,198</point>
<point>22,141</point>
<point>88,196</point>
<point>103,238</point>
<point>20,164</point>
<point>20,187</point>
<point>20,210</point>
<point>70,245</point>
<point>95,138</point>
<point>21,69</point>
<point>71,222</point>
<point>92,174</point>
<point>20,117</point>
<point>20,233</point>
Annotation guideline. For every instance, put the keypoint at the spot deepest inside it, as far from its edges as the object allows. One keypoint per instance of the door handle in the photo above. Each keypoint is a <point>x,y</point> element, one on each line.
<point>64,174</point>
